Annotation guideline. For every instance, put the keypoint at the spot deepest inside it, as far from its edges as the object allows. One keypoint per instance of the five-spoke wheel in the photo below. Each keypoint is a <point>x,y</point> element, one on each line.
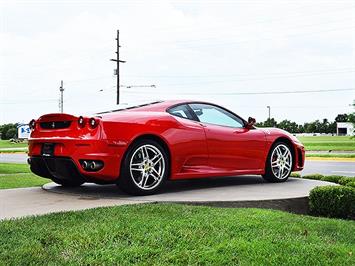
<point>147,166</point>
<point>144,168</point>
<point>279,163</point>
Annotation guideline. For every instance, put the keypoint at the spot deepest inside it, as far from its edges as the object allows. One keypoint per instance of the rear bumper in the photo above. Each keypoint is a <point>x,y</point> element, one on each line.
<point>60,168</point>
<point>65,161</point>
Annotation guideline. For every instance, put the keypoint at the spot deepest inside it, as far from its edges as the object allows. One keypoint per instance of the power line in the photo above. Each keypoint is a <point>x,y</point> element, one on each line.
<point>285,27</point>
<point>232,42</point>
<point>256,93</point>
<point>31,102</point>
<point>252,79</point>
<point>300,14</point>
<point>275,74</point>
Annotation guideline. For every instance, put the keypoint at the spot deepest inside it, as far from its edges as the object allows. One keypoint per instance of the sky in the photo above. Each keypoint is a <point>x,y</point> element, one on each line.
<point>295,56</point>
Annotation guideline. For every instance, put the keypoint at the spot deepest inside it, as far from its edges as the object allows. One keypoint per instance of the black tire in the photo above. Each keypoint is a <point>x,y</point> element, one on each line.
<point>129,181</point>
<point>68,183</point>
<point>270,175</point>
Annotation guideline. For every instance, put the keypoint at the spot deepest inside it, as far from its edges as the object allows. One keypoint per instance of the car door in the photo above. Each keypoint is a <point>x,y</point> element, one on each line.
<point>190,144</point>
<point>231,145</point>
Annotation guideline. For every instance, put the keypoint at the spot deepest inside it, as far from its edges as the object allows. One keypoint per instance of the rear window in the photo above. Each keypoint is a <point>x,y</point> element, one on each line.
<point>181,111</point>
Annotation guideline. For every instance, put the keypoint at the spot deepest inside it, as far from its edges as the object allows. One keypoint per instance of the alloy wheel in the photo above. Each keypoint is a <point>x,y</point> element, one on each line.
<point>281,161</point>
<point>147,167</point>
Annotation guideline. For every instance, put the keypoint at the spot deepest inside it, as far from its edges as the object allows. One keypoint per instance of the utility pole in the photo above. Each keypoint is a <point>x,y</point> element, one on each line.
<point>118,61</point>
<point>61,89</point>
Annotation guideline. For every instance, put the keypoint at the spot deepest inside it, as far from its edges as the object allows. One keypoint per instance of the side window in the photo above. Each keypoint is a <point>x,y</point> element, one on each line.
<point>181,111</point>
<point>214,115</point>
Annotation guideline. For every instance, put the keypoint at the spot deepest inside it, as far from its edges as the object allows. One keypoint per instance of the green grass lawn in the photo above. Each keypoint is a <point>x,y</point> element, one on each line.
<point>8,144</point>
<point>14,168</point>
<point>170,234</point>
<point>324,143</point>
<point>18,175</point>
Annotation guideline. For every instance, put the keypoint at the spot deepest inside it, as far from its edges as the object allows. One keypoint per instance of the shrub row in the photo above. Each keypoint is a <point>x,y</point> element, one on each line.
<point>333,201</point>
<point>338,179</point>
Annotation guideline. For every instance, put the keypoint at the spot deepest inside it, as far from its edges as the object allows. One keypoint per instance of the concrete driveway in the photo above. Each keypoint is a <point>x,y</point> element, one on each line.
<point>242,191</point>
<point>21,202</point>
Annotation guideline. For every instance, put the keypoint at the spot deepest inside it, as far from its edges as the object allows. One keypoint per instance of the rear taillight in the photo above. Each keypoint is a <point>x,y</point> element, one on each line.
<point>81,121</point>
<point>32,124</point>
<point>93,122</point>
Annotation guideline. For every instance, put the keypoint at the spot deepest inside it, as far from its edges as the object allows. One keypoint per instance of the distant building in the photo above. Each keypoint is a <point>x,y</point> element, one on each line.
<point>23,131</point>
<point>345,129</point>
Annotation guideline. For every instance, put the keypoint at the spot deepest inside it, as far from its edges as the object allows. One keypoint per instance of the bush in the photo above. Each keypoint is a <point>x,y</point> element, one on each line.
<point>332,178</point>
<point>313,176</point>
<point>297,175</point>
<point>343,181</point>
<point>8,131</point>
<point>333,201</point>
<point>351,184</point>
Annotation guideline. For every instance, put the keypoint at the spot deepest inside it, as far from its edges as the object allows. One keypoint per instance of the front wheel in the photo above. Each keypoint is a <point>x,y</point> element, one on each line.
<point>279,163</point>
<point>144,169</point>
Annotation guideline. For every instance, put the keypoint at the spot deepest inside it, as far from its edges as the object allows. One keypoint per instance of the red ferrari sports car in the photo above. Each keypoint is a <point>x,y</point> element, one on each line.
<point>140,147</point>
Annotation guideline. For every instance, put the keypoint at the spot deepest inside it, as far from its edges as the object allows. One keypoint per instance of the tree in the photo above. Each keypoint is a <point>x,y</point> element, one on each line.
<point>5,128</point>
<point>11,133</point>
<point>332,128</point>
<point>341,118</point>
<point>351,117</point>
<point>270,122</point>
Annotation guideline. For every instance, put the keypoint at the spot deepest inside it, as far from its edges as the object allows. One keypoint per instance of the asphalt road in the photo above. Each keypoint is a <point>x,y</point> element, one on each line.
<point>327,167</point>
<point>13,158</point>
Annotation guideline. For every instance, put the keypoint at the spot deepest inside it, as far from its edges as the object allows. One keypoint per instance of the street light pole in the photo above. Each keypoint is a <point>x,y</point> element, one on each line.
<point>61,89</point>
<point>269,112</point>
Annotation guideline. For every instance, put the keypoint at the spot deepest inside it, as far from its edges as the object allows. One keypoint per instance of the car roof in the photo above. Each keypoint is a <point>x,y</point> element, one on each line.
<point>157,106</point>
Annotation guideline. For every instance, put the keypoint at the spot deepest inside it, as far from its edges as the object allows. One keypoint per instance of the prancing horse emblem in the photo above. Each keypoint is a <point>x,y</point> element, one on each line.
<point>53,125</point>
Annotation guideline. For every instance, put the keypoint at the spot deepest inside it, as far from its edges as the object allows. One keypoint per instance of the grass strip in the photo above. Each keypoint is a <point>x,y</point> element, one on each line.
<point>21,180</point>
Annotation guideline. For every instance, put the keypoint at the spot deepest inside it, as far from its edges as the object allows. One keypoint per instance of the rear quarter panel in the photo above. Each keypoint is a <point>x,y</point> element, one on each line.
<point>184,139</point>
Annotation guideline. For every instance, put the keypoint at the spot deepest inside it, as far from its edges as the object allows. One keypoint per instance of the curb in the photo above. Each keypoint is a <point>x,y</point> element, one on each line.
<point>338,159</point>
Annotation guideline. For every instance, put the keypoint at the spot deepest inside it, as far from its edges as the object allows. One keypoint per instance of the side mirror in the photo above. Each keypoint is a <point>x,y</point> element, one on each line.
<point>251,123</point>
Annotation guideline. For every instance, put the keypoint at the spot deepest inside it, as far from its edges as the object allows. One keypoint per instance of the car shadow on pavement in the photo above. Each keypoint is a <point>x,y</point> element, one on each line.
<point>113,191</point>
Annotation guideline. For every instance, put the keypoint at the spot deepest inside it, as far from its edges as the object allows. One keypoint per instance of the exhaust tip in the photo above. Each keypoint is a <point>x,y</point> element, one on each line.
<point>84,165</point>
<point>91,165</point>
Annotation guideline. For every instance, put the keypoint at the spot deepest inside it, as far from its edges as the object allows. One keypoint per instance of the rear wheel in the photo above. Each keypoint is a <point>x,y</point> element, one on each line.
<point>67,183</point>
<point>279,163</point>
<point>144,169</point>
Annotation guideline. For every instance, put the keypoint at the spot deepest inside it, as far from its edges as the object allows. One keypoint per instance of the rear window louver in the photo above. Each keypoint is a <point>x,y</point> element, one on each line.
<point>55,124</point>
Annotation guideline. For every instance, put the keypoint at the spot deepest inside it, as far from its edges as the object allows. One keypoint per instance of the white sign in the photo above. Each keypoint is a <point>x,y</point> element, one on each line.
<point>23,131</point>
